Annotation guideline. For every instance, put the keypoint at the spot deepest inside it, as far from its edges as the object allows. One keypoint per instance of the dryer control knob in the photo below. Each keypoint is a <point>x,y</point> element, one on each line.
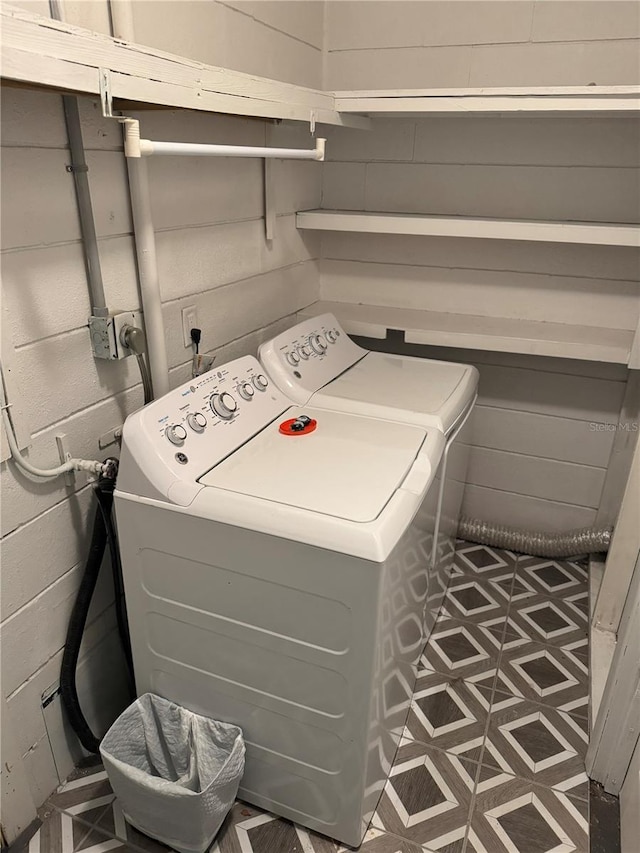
<point>176,434</point>
<point>293,358</point>
<point>197,422</point>
<point>331,336</point>
<point>317,344</point>
<point>260,382</point>
<point>246,391</point>
<point>224,405</point>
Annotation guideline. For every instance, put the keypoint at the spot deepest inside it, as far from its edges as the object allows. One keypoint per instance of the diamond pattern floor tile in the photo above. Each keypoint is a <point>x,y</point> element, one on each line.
<point>427,797</point>
<point>448,713</point>
<point>112,822</point>
<point>62,833</point>
<point>549,620</point>
<point>539,743</point>
<point>492,754</point>
<point>547,675</point>
<point>475,600</point>
<point>557,578</point>
<point>516,816</point>
<point>459,649</point>
<point>483,562</point>
<point>75,795</point>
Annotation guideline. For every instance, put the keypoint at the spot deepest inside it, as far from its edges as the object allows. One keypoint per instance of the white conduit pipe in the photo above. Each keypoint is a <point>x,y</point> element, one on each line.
<point>83,193</point>
<point>145,242</point>
<point>135,147</point>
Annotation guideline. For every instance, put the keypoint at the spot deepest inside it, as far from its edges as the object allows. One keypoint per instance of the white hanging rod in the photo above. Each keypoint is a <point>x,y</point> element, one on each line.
<point>136,147</point>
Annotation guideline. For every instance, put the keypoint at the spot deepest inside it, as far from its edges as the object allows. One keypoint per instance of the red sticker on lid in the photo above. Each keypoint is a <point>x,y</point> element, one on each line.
<point>298,426</point>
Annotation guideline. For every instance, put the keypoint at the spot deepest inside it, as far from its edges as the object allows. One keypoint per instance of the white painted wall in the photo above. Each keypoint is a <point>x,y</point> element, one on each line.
<point>280,39</point>
<point>403,44</point>
<point>538,463</point>
<point>212,254</point>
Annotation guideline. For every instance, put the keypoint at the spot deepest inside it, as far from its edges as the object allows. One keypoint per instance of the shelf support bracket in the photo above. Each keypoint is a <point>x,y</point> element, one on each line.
<point>106,99</point>
<point>269,167</point>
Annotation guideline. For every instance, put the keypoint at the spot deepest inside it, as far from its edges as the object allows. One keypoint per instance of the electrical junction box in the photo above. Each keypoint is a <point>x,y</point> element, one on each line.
<point>105,334</point>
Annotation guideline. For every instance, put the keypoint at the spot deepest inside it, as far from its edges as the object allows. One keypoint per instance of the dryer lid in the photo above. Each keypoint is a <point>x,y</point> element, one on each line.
<point>349,467</point>
<point>434,393</point>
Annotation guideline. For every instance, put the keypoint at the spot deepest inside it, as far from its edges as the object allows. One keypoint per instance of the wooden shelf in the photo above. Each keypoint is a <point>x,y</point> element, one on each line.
<point>468,331</point>
<point>556,100</point>
<point>462,226</point>
<point>40,52</point>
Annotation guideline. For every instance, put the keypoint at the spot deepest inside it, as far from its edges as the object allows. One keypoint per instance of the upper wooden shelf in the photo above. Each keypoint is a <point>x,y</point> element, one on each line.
<point>463,226</point>
<point>549,101</point>
<point>39,51</point>
<point>469,331</point>
<point>42,52</point>
<point>556,100</point>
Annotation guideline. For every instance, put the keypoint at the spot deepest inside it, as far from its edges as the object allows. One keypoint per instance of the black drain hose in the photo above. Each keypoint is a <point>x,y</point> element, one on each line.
<point>103,533</point>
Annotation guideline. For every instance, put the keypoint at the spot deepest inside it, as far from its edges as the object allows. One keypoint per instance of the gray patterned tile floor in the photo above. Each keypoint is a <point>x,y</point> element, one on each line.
<point>492,755</point>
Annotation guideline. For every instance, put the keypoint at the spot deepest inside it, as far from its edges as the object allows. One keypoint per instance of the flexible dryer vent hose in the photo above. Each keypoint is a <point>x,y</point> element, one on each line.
<point>585,540</point>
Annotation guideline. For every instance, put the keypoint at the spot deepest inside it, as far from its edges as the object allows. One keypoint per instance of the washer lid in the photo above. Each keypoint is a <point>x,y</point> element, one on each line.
<point>426,392</point>
<point>349,467</point>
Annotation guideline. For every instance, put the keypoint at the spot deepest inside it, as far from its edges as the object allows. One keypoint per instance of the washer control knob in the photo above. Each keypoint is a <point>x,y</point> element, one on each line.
<point>224,405</point>
<point>317,344</point>
<point>260,382</point>
<point>245,389</point>
<point>293,358</point>
<point>176,434</point>
<point>331,336</point>
<point>304,352</point>
<point>197,422</point>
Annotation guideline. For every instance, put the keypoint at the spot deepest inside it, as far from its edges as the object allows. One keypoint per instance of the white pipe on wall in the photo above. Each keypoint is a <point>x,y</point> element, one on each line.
<point>144,234</point>
<point>145,241</point>
<point>121,19</point>
<point>194,149</point>
<point>135,147</point>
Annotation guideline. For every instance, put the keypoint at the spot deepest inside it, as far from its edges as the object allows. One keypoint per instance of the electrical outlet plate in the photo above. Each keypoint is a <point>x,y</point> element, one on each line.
<point>189,321</point>
<point>105,334</point>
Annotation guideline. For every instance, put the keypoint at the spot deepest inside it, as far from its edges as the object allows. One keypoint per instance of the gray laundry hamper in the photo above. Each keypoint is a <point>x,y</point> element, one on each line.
<point>176,773</point>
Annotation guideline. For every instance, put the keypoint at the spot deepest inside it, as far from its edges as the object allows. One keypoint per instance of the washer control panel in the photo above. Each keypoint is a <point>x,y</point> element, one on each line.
<point>192,428</point>
<point>309,356</point>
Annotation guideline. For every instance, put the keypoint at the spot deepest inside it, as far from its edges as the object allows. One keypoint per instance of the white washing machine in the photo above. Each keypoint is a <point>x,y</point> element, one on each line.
<point>277,581</point>
<point>317,363</point>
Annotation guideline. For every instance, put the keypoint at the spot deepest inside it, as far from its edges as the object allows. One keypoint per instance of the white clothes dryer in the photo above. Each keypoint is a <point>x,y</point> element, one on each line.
<point>276,580</point>
<point>316,363</point>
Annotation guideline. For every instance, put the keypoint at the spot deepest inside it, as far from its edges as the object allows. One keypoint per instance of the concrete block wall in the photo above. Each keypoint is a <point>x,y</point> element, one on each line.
<point>279,39</point>
<point>208,215</point>
<point>542,441</point>
<point>403,44</point>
